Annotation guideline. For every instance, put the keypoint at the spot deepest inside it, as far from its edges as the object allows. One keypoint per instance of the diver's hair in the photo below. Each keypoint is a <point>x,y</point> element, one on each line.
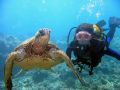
<point>84,26</point>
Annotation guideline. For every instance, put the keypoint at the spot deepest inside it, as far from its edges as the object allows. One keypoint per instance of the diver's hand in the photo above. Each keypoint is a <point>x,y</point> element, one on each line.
<point>114,22</point>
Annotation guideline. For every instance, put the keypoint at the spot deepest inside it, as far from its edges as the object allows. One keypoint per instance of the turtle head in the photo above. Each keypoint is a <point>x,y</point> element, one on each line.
<point>42,36</point>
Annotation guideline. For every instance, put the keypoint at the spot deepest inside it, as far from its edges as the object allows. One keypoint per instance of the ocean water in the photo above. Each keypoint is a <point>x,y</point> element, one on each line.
<point>21,19</point>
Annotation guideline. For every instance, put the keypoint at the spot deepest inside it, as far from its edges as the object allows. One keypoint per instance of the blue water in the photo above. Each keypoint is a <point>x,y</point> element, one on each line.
<point>25,17</point>
<point>21,19</point>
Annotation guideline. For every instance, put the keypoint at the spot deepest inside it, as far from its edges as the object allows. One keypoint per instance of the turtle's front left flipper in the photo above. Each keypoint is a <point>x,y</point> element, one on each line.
<point>62,55</point>
<point>8,71</point>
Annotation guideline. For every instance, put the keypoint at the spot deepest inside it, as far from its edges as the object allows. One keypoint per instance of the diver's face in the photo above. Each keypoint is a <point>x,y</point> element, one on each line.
<point>42,37</point>
<point>83,37</point>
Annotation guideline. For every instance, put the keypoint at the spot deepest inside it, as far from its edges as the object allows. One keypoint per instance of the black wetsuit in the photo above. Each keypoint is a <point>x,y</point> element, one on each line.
<point>91,55</point>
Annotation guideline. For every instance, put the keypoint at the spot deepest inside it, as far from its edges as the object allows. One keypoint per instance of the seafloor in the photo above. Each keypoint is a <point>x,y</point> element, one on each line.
<point>106,76</point>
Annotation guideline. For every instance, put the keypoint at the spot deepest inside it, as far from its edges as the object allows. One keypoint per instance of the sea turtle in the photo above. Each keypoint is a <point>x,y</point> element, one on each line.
<point>36,52</point>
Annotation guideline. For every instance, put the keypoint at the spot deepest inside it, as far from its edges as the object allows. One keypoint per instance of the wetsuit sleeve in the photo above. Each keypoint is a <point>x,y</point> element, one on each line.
<point>69,50</point>
<point>112,53</point>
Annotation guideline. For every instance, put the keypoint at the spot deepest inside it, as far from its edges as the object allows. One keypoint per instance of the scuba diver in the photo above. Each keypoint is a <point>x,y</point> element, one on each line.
<point>90,43</point>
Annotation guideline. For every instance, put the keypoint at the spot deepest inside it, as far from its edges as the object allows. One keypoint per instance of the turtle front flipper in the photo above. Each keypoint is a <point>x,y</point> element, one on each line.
<point>63,56</point>
<point>8,71</point>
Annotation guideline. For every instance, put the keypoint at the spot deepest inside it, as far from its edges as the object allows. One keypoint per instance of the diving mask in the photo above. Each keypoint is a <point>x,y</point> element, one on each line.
<point>83,37</point>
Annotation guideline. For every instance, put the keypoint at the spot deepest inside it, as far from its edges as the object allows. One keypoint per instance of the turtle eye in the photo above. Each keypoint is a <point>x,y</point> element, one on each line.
<point>42,32</point>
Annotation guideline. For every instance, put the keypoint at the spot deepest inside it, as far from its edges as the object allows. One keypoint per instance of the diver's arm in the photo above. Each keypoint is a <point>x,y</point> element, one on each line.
<point>112,53</point>
<point>114,22</point>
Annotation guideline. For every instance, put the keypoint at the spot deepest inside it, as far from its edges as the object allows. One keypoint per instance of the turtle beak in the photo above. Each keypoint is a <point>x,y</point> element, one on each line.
<point>44,36</point>
<point>44,32</point>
